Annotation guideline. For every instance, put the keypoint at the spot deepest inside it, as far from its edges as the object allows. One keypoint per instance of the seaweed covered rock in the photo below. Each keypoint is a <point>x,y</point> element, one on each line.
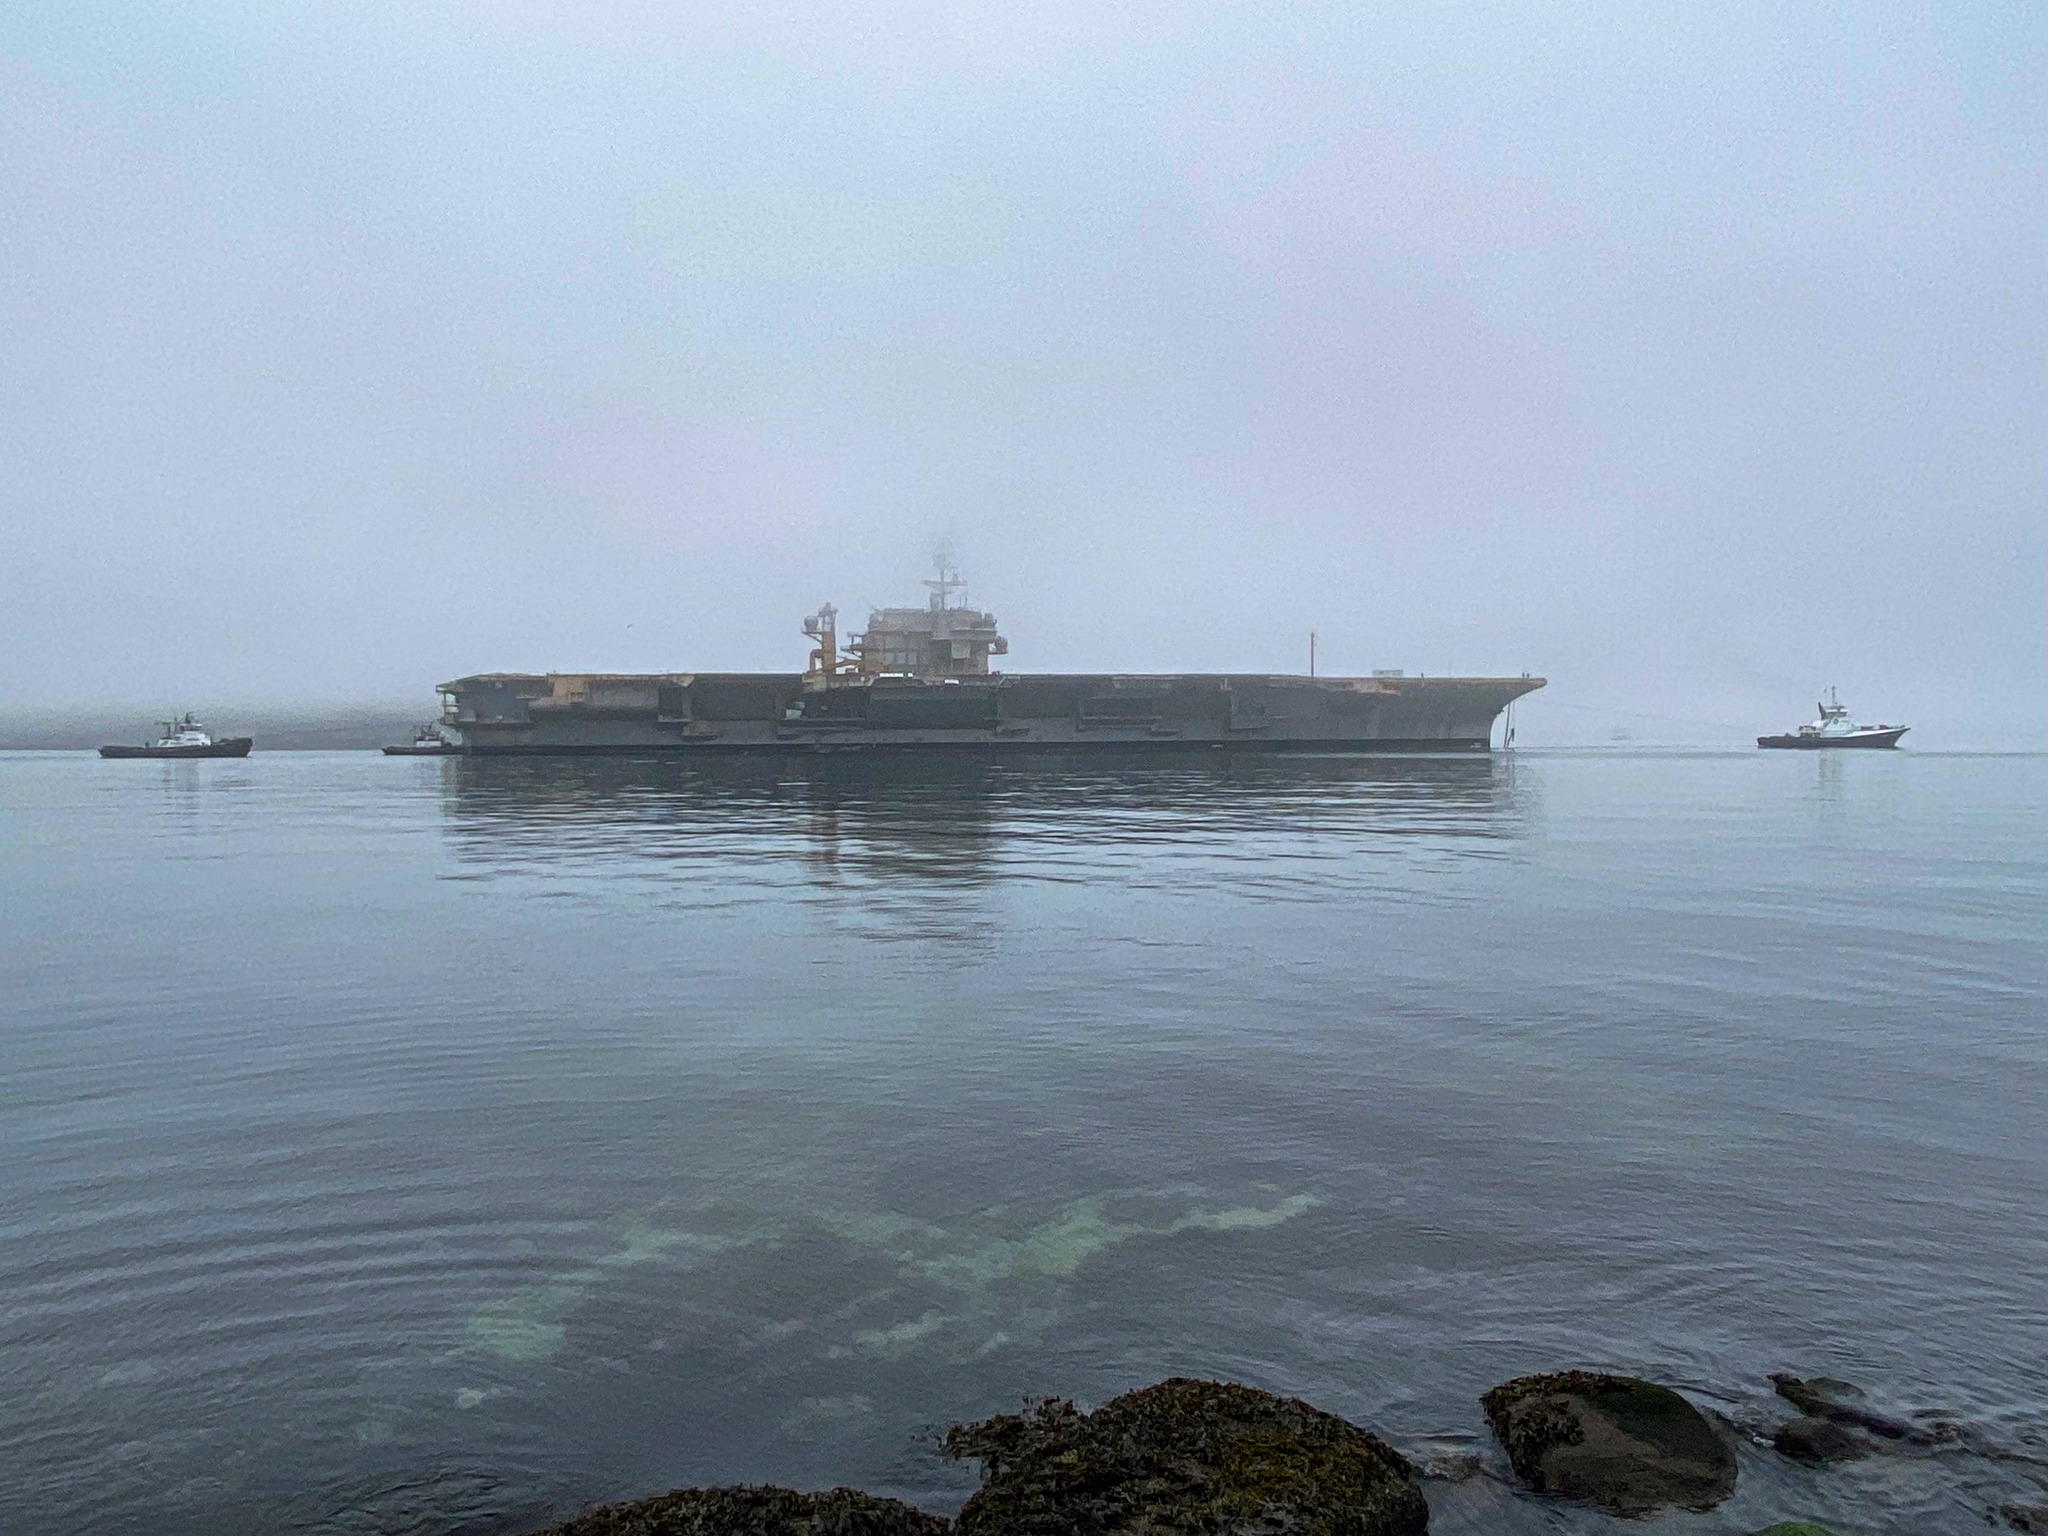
<point>761,1511</point>
<point>1628,1446</point>
<point>1186,1456</point>
<point>2030,1518</point>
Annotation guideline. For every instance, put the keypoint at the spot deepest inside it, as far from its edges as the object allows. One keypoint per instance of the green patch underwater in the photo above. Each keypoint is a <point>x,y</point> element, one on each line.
<point>996,1268</point>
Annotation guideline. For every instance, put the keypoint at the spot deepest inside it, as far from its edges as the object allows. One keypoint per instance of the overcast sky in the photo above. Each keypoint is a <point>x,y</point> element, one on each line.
<point>1693,356</point>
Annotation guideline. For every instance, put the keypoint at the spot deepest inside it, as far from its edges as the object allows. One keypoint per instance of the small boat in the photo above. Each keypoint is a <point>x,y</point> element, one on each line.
<point>184,737</point>
<point>427,741</point>
<point>1833,729</point>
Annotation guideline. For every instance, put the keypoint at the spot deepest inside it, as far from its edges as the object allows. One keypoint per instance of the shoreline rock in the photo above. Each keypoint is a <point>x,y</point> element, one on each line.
<point>1819,1442</point>
<point>1217,1458</point>
<point>755,1510</point>
<point>1831,1430</point>
<point>1185,1455</point>
<point>1627,1446</point>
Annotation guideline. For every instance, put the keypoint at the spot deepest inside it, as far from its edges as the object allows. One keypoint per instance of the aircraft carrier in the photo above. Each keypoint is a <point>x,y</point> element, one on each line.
<point>919,678</point>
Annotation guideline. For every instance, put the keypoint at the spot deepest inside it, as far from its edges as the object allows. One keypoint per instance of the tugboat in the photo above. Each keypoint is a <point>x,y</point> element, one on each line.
<point>1833,729</point>
<point>184,737</point>
<point>427,741</point>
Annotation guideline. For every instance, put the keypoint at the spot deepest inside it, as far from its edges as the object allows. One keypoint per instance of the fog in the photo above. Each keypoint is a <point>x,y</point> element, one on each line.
<point>1693,357</point>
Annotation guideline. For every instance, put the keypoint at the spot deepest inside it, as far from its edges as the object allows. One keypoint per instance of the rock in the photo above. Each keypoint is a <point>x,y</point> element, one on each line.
<point>1821,1398</point>
<point>1630,1447</point>
<point>1820,1442</point>
<point>755,1512</point>
<point>1832,1387</point>
<point>1186,1456</point>
<point>2031,1518</point>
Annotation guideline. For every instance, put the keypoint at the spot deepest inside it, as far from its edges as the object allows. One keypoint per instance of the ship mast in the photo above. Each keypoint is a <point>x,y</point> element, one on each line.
<point>943,584</point>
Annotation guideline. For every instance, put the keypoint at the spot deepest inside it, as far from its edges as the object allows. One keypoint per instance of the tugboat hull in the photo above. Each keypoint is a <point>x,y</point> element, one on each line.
<point>1889,737</point>
<point>233,746</point>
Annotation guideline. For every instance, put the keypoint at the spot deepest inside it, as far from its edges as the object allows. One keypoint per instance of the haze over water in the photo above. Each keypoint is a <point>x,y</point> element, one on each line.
<point>441,1145</point>
<point>1687,356</point>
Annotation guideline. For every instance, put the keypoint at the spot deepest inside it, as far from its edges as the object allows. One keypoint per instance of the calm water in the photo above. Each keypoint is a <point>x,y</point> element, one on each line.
<point>433,1146</point>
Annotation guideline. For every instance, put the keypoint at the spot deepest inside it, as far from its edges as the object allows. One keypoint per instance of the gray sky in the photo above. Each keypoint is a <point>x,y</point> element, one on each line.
<point>1694,356</point>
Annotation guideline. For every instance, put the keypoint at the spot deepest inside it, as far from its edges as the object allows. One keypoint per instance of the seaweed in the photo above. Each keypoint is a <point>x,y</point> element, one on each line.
<point>754,1511</point>
<point>1185,1455</point>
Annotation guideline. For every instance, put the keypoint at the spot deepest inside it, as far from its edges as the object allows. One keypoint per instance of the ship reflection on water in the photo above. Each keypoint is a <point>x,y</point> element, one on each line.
<point>916,826</point>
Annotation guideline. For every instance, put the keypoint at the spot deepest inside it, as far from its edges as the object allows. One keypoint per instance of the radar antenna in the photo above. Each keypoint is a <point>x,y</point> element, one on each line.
<point>948,579</point>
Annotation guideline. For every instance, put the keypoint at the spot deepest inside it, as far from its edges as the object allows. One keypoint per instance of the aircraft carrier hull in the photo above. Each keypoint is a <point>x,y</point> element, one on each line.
<point>702,713</point>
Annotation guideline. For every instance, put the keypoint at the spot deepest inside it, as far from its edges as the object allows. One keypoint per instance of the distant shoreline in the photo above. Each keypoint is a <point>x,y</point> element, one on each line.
<point>276,729</point>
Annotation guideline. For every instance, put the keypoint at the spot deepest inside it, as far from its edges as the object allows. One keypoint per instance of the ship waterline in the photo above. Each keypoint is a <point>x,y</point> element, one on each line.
<point>711,713</point>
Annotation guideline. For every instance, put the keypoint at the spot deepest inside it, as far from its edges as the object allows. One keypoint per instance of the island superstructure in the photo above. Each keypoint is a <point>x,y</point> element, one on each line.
<point>920,678</point>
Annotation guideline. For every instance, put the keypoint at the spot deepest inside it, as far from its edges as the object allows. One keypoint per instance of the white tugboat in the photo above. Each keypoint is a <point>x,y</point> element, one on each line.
<point>1834,729</point>
<point>184,737</point>
<point>427,741</point>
